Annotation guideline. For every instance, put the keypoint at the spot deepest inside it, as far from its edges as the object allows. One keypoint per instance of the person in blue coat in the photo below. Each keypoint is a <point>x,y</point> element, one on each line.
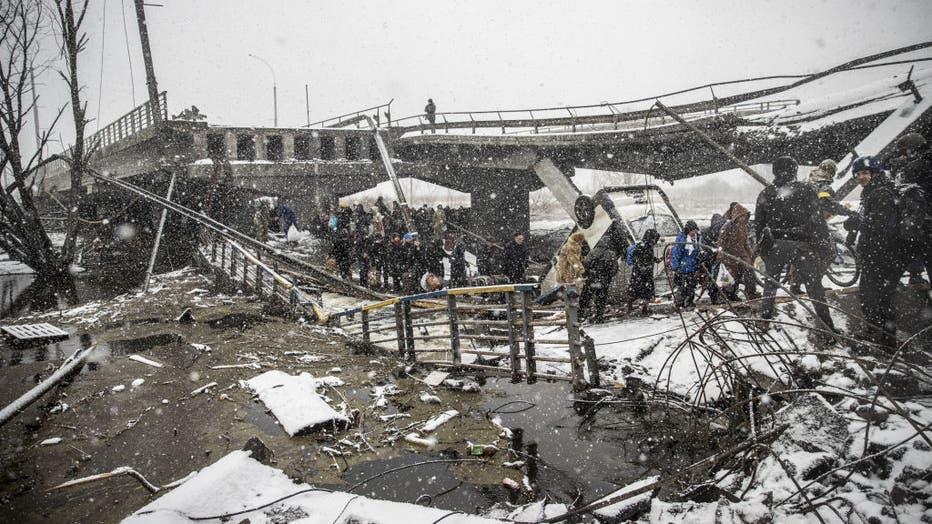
<point>684,260</point>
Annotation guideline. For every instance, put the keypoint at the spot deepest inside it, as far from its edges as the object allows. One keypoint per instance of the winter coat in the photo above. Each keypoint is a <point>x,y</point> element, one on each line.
<point>514,261</point>
<point>876,243</point>
<point>733,240</point>
<point>791,212</point>
<point>439,223</point>
<point>458,264</point>
<point>570,261</point>
<point>684,258</point>
<point>827,201</point>
<point>489,261</point>
<point>642,271</point>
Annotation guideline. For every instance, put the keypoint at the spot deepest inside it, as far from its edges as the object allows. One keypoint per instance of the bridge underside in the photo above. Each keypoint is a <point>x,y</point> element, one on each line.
<point>669,153</point>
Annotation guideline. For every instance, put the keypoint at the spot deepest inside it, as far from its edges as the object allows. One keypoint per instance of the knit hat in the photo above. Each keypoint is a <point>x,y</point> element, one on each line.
<point>784,170</point>
<point>825,172</point>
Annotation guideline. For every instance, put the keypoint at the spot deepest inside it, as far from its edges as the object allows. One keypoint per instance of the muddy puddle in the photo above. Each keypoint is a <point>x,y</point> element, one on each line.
<point>428,480</point>
<point>16,354</point>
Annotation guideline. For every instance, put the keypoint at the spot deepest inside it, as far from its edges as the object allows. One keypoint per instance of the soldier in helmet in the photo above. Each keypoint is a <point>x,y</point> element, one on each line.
<point>790,230</point>
<point>878,250</point>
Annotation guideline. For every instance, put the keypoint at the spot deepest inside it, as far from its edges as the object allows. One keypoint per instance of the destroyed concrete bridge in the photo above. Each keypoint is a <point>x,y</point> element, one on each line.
<point>498,156</point>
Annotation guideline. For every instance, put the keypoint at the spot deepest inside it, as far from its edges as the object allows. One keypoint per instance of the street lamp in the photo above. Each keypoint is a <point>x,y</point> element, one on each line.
<point>274,85</point>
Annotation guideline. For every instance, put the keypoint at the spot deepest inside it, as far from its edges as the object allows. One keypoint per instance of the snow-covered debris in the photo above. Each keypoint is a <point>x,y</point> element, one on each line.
<point>630,507</point>
<point>144,360</point>
<point>294,401</point>
<point>51,441</point>
<point>138,382</point>
<point>437,421</point>
<point>238,483</point>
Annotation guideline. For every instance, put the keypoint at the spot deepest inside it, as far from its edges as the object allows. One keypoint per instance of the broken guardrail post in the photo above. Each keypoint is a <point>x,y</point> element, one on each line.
<point>399,328</point>
<point>527,331</point>
<point>591,361</point>
<point>213,246</point>
<point>408,331</point>
<point>514,361</point>
<point>454,330</point>
<point>571,303</point>
<point>259,273</point>
<point>364,314</point>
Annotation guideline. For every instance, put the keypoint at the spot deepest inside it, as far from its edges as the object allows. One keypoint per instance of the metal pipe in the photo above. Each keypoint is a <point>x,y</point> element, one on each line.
<point>70,365</point>
<point>746,168</point>
<point>390,169</point>
<point>158,235</point>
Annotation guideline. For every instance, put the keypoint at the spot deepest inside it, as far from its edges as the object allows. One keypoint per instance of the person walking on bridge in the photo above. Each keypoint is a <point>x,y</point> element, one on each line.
<point>570,268</point>
<point>430,111</point>
<point>514,263</point>
<point>790,230</point>
<point>684,260</point>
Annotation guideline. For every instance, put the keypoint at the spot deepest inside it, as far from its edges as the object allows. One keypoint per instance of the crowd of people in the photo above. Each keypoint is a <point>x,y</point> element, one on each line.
<point>891,230</point>
<point>387,253</point>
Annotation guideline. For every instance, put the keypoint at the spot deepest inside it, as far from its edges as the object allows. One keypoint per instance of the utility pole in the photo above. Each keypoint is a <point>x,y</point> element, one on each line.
<point>147,60</point>
<point>307,105</point>
<point>35,117</point>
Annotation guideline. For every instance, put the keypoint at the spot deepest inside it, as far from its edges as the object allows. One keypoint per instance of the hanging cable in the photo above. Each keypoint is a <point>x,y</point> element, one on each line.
<point>129,55</point>
<point>100,84</point>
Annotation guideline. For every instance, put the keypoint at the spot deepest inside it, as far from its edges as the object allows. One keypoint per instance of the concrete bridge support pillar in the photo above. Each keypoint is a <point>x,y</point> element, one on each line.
<point>500,212</point>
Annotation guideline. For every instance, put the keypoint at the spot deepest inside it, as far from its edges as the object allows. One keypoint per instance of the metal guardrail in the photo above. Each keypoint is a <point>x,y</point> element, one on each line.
<point>574,118</point>
<point>355,117</point>
<point>464,321</point>
<point>248,272</point>
<point>139,118</point>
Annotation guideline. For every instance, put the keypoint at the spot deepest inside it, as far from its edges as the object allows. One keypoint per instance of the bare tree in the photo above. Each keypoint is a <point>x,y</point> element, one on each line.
<point>74,40</point>
<point>22,235</point>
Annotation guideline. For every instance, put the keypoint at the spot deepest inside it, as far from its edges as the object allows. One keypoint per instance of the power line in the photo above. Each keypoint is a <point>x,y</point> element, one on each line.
<point>103,47</point>
<point>129,55</point>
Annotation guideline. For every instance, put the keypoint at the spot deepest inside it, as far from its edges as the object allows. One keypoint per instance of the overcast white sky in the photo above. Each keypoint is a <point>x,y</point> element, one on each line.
<point>471,55</point>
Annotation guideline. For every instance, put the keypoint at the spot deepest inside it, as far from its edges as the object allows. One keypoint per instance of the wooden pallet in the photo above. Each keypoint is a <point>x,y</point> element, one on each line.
<point>33,332</point>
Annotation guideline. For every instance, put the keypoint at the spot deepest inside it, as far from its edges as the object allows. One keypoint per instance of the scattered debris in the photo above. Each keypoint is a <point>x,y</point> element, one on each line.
<point>186,317</point>
<point>435,422</point>
<point>144,360</point>
<point>118,388</point>
<point>138,382</point>
<point>428,398</point>
<point>202,389</point>
<point>435,378</point>
<point>51,441</point>
<point>294,401</point>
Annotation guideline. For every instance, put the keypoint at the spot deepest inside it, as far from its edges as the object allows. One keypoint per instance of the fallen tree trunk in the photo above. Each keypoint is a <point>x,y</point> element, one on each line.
<point>71,365</point>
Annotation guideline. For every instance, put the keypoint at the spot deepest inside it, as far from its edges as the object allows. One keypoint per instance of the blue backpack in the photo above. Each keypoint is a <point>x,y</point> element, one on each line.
<point>628,255</point>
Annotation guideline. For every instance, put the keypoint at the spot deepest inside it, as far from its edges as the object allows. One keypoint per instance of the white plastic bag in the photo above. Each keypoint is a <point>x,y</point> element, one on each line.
<point>723,278</point>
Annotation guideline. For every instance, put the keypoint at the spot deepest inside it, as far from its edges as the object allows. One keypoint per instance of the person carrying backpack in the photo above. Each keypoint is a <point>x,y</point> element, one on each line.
<point>733,241</point>
<point>915,191</point>
<point>879,253</point>
<point>790,230</point>
<point>684,260</point>
<point>640,256</point>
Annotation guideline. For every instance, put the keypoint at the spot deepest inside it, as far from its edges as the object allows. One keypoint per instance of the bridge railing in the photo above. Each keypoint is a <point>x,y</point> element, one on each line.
<point>445,327</point>
<point>247,271</point>
<point>139,118</point>
<point>634,115</point>
<point>356,117</point>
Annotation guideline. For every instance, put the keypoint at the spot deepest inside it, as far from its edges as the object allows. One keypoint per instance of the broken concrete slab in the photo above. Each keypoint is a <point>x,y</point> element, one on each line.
<point>294,401</point>
<point>239,487</point>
